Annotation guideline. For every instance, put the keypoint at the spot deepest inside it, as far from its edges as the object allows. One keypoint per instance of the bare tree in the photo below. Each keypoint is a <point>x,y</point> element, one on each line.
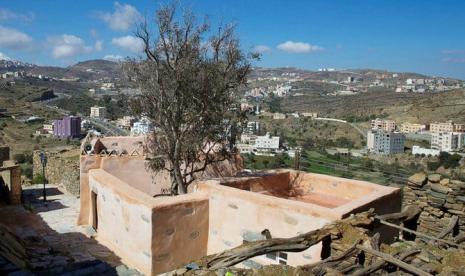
<point>189,85</point>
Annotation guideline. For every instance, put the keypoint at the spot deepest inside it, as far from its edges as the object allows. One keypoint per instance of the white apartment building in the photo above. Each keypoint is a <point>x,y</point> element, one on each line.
<point>382,142</point>
<point>266,144</point>
<point>419,150</point>
<point>448,141</point>
<point>98,112</point>
<point>142,127</point>
<point>252,127</point>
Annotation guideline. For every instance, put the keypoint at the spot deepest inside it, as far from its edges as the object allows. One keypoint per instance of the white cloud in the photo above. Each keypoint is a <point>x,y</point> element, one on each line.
<point>14,39</point>
<point>122,18</point>
<point>298,47</point>
<point>98,45</point>
<point>454,59</point>
<point>6,14</point>
<point>113,57</point>
<point>66,46</point>
<point>261,49</point>
<point>130,43</point>
<point>4,57</point>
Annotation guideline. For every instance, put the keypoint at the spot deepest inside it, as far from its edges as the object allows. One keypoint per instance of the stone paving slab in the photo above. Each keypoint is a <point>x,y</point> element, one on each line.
<point>55,222</point>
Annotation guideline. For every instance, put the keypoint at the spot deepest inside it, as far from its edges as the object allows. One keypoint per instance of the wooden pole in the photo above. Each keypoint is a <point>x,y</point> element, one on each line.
<point>392,260</point>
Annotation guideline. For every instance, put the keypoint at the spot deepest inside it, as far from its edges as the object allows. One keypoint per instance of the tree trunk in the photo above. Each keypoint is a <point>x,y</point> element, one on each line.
<point>177,170</point>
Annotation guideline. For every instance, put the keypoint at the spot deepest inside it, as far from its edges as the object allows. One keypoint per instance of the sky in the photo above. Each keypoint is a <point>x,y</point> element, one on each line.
<point>422,36</point>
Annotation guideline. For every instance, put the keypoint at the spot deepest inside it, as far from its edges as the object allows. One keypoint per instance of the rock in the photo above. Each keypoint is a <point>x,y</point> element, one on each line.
<point>418,179</point>
<point>180,271</point>
<point>444,181</point>
<point>461,198</point>
<point>439,188</point>
<point>435,178</point>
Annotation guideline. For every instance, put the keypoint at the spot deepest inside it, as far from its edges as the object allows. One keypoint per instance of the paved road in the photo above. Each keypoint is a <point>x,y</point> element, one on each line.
<point>357,128</point>
<point>107,128</point>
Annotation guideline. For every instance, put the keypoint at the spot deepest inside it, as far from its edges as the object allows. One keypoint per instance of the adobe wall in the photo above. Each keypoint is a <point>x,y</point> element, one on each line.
<point>11,175</point>
<point>336,186</point>
<point>179,231</point>
<point>133,170</point>
<point>154,235</point>
<point>237,216</point>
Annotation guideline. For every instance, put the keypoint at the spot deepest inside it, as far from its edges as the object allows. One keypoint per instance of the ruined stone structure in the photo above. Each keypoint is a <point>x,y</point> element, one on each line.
<point>62,168</point>
<point>440,199</point>
<point>10,178</point>
<point>157,234</point>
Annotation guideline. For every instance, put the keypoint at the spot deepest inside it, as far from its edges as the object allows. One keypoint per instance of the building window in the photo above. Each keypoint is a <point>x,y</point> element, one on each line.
<point>279,257</point>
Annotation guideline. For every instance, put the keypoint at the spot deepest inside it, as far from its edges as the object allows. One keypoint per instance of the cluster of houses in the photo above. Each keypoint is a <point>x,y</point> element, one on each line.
<point>425,85</point>
<point>386,137</point>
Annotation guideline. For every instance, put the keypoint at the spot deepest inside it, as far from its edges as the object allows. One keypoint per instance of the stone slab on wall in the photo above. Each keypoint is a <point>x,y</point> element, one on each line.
<point>439,198</point>
<point>62,169</point>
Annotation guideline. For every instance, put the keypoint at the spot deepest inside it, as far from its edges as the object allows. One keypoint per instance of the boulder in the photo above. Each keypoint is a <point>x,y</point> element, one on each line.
<point>418,179</point>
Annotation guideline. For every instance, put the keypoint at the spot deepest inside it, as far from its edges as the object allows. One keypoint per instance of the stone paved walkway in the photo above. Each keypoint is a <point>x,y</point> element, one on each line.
<point>55,222</point>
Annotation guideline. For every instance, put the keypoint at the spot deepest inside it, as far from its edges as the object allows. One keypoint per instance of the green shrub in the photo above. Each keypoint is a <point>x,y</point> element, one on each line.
<point>38,179</point>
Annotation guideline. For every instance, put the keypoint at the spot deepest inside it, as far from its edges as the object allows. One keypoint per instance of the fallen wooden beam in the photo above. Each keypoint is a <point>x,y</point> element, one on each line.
<point>392,260</point>
<point>380,263</point>
<point>408,213</point>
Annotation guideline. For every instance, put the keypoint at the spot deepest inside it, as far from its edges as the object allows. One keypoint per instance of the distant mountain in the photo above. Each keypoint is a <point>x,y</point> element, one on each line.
<point>99,67</point>
<point>86,70</point>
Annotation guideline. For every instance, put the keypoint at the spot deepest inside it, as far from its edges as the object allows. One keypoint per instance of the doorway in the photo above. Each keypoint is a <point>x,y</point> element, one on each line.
<point>94,210</point>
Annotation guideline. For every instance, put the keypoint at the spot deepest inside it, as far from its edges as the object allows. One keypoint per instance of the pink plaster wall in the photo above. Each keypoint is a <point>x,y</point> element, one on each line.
<point>154,235</point>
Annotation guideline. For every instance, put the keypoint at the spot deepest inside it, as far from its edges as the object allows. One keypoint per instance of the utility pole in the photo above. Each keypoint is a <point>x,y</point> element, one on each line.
<point>43,161</point>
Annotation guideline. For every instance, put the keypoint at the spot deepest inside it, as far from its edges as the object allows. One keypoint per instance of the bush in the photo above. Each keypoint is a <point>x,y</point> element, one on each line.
<point>38,179</point>
<point>432,166</point>
<point>26,170</point>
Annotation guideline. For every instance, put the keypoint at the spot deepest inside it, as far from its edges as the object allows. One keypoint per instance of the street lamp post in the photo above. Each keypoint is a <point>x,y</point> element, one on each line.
<point>43,161</point>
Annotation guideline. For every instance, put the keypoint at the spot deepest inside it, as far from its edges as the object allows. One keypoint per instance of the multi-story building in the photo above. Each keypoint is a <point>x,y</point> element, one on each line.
<point>68,127</point>
<point>142,127</point>
<point>412,128</point>
<point>267,144</point>
<point>48,128</point>
<point>441,127</point>
<point>126,122</point>
<point>382,142</point>
<point>448,141</point>
<point>386,125</point>
<point>459,127</point>
<point>279,116</point>
<point>98,112</point>
<point>252,128</point>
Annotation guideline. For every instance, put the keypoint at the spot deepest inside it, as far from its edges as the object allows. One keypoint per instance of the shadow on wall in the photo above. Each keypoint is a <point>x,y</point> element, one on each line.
<point>30,244</point>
